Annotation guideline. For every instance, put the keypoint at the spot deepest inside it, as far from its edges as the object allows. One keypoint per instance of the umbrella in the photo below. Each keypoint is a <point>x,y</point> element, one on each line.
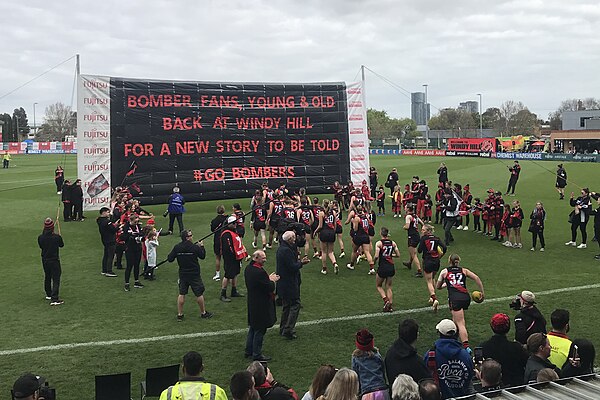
<point>538,143</point>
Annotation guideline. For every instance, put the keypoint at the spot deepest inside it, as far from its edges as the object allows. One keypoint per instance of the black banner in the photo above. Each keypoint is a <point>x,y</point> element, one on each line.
<point>223,140</point>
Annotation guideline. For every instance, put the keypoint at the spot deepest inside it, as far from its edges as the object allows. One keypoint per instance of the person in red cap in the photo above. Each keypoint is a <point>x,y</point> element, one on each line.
<point>510,354</point>
<point>368,365</point>
<point>50,243</point>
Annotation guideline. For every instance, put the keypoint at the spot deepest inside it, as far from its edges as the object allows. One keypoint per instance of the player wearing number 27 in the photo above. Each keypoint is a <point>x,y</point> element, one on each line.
<point>454,277</point>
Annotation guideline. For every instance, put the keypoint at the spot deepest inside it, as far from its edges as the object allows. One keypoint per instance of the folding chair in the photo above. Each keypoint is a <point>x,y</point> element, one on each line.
<point>158,379</point>
<point>113,387</point>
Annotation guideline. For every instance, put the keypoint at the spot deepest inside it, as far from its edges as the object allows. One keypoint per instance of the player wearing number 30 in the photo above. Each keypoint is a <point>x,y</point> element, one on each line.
<point>454,278</point>
<point>385,250</point>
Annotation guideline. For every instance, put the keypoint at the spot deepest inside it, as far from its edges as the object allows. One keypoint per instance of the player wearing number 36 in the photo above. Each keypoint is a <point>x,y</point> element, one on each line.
<point>454,278</point>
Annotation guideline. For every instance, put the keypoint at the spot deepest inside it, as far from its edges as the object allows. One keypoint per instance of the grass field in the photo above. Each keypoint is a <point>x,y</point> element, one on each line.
<point>97,309</point>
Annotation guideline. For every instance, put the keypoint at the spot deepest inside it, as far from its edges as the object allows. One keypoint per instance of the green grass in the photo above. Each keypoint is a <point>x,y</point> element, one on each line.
<point>97,308</point>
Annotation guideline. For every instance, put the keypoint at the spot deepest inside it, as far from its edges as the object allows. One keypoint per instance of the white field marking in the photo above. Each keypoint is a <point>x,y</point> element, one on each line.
<point>244,330</point>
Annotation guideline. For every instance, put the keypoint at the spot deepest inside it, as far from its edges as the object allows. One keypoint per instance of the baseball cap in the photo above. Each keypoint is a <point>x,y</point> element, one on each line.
<point>527,296</point>
<point>231,219</point>
<point>446,327</point>
<point>27,385</point>
<point>500,323</point>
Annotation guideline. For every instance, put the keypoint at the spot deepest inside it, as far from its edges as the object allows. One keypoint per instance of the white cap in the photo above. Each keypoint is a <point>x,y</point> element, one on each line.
<point>528,296</point>
<point>446,327</point>
<point>231,219</point>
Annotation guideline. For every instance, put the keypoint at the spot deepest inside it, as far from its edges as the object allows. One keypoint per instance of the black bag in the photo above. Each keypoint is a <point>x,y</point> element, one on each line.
<point>387,184</point>
<point>571,215</point>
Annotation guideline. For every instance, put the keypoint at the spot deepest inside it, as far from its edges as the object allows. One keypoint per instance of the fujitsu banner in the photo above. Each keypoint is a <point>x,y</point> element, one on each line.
<point>215,140</point>
<point>358,133</point>
<point>93,140</point>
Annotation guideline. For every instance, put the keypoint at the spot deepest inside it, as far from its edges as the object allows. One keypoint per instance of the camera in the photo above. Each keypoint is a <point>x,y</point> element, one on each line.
<point>46,392</point>
<point>516,303</point>
<point>166,213</point>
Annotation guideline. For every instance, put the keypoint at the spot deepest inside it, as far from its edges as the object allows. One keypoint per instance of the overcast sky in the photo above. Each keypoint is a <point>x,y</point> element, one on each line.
<point>537,52</point>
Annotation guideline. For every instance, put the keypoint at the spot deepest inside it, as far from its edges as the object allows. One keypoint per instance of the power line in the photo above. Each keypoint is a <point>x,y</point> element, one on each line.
<point>39,76</point>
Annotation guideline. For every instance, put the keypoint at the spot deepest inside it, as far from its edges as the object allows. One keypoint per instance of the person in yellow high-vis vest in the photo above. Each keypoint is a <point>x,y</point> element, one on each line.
<point>192,386</point>
<point>6,159</point>
<point>559,341</point>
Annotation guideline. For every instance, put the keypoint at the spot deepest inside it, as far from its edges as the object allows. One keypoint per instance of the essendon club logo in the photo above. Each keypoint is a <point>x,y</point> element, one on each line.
<point>95,101</point>
<point>356,117</point>
<point>355,91</point>
<point>95,117</point>
<point>358,158</point>
<point>357,131</point>
<point>355,104</point>
<point>357,145</point>
<point>94,84</point>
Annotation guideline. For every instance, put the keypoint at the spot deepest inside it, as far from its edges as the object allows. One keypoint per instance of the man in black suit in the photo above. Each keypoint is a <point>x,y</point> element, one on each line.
<point>261,304</point>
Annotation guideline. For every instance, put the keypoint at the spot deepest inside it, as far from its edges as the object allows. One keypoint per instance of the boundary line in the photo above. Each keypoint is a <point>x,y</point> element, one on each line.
<point>244,330</point>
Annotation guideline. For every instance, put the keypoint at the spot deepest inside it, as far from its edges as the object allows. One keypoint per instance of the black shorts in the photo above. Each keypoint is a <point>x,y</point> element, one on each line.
<point>459,304</point>
<point>517,224</point>
<point>232,269</point>
<point>314,225</point>
<point>274,222</point>
<point>308,229</point>
<point>359,240</point>
<point>217,246</point>
<point>413,240</point>
<point>561,185</point>
<point>327,236</point>
<point>240,230</point>
<point>371,231</point>
<point>338,229</point>
<point>258,225</point>
<point>386,270</point>
<point>431,265</point>
<point>194,282</point>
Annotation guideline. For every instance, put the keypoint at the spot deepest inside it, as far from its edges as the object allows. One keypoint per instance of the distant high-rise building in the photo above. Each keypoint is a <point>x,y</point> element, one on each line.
<point>419,111</point>
<point>469,106</point>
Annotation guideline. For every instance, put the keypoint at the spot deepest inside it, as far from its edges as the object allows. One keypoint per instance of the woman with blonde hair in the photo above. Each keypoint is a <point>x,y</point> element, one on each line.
<point>344,386</point>
<point>322,379</point>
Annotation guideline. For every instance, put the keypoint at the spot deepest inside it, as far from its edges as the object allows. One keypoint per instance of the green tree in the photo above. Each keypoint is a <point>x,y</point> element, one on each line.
<point>382,126</point>
<point>490,117</point>
<point>516,119</point>
<point>59,121</point>
<point>457,121</point>
<point>21,125</point>
<point>8,133</point>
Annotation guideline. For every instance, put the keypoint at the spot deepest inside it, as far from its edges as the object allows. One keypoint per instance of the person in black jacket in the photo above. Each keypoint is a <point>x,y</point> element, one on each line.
<point>133,238</point>
<point>561,181</point>
<point>288,287</point>
<point>67,189</point>
<point>539,349</point>
<point>392,181</point>
<point>268,388</point>
<point>529,320</point>
<point>187,254</point>
<point>450,208</point>
<point>261,304</point>
<point>402,357</point>
<point>77,200</point>
<point>511,355</point>
<point>442,173</point>
<point>108,234</point>
<point>50,243</point>
<point>596,213</point>
<point>579,217</point>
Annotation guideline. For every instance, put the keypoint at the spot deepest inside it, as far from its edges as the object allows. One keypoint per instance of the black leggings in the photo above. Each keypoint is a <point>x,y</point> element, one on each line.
<point>535,236</point>
<point>133,256</point>
<point>582,225</point>
<point>476,223</point>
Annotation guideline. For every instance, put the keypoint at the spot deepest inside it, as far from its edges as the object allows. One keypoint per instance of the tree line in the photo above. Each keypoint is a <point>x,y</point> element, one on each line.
<point>59,121</point>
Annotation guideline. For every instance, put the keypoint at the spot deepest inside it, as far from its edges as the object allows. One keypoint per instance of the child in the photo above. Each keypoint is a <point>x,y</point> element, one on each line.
<point>368,364</point>
<point>505,228</point>
<point>397,202</point>
<point>151,243</point>
<point>516,221</point>
<point>477,210</point>
<point>427,208</point>
<point>381,201</point>
<point>407,197</point>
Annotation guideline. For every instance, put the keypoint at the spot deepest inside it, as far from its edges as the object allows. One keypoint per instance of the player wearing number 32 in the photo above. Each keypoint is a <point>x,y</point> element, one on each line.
<point>459,299</point>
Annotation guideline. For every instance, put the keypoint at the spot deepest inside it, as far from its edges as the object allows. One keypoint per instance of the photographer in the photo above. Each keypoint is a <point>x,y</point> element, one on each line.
<point>31,387</point>
<point>529,320</point>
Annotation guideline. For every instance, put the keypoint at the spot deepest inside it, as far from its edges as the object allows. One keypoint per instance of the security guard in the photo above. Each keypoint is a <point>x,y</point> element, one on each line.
<point>192,386</point>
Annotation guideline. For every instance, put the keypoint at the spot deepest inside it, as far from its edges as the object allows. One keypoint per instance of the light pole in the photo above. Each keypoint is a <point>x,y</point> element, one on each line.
<point>34,126</point>
<point>426,120</point>
<point>480,117</point>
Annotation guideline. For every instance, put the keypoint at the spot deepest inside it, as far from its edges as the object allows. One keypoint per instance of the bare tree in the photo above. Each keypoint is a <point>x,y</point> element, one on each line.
<point>58,122</point>
<point>516,119</point>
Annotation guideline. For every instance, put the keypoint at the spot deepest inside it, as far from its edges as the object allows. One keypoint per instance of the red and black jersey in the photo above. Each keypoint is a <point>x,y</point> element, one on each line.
<point>428,245</point>
<point>288,213</point>
<point>364,225</point>
<point>277,208</point>
<point>407,198</point>
<point>316,209</point>
<point>240,218</point>
<point>413,225</point>
<point>259,214</point>
<point>338,219</point>
<point>305,214</point>
<point>456,281</point>
<point>414,189</point>
<point>380,197</point>
<point>329,220</point>
<point>467,197</point>
<point>269,194</point>
<point>423,190</point>
<point>477,209</point>
<point>359,198</point>
<point>386,252</point>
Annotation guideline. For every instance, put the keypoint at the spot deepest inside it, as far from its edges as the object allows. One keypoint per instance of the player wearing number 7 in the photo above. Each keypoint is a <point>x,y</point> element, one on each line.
<point>385,250</point>
<point>433,248</point>
<point>459,299</point>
